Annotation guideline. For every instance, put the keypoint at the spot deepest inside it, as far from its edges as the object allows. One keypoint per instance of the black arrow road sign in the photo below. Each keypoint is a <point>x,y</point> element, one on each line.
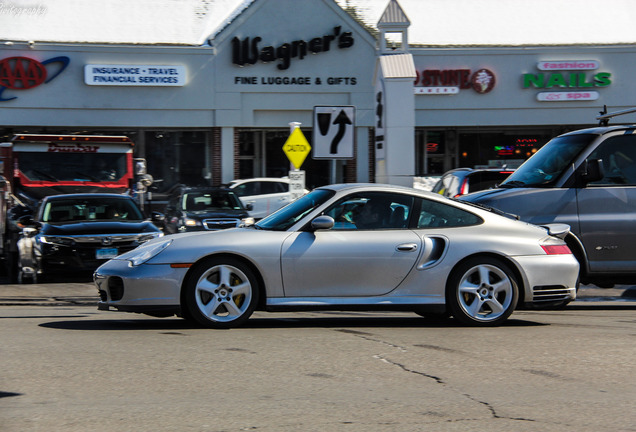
<point>333,132</point>
<point>342,121</point>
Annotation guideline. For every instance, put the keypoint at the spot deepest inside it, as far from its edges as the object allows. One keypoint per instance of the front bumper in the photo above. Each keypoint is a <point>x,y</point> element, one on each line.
<point>150,289</point>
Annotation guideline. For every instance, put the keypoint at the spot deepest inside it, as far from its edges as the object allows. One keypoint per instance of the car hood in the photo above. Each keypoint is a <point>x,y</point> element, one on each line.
<point>85,228</point>
<point>190,247</point>
<point>535,205</point>
<point>216,214</point>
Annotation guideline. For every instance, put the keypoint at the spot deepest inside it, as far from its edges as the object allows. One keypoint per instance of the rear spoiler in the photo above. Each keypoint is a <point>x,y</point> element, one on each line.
<point>557,229</point>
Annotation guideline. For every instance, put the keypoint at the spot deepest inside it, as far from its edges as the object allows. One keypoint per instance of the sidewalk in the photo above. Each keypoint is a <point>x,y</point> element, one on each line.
<point>73,293</point>
<point>85,293</point>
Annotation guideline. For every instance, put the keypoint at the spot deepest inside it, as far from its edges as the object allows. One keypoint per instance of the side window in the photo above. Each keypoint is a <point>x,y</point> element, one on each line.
<point>618,154</point>
<point>372,211</point>
<point>435,215</point>
<point>247,189</point>
<point>269,187</point>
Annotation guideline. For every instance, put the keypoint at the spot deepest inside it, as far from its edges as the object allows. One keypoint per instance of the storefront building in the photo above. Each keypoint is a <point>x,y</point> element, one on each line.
<point>222,110</point>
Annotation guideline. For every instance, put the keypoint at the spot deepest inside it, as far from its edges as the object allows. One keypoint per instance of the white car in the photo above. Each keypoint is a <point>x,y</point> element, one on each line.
<point>264,194</point>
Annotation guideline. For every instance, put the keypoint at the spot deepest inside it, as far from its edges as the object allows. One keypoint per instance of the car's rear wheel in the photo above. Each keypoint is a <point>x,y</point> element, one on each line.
<point>221,293</point>
<point>482,291</point>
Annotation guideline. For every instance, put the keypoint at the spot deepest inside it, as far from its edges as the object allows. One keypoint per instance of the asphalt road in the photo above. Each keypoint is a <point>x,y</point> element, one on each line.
<point>68,367</point>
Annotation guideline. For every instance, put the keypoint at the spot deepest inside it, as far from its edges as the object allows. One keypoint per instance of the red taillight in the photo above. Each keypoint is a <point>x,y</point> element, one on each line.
<point>463,189</point>
<point>556,249</point>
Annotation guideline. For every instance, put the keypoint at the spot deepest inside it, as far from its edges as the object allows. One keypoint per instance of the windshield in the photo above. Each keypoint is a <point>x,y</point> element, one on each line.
<point>89,209</point>
<point>204,201</point>
<point>292,213</point>
<point>545,166</point>
<point>95,167</point>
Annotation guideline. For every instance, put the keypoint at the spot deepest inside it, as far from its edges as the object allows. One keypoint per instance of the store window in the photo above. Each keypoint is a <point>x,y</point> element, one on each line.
<point>261,155</point>
<point>177,157</point>
<point>496,150</point>
<point>433,154</point>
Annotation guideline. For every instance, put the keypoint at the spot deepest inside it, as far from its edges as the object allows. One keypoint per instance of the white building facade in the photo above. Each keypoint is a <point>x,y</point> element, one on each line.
<point>211,113</point>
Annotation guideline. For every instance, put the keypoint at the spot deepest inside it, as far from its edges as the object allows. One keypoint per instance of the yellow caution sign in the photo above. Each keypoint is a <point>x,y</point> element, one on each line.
<point>296,148</point>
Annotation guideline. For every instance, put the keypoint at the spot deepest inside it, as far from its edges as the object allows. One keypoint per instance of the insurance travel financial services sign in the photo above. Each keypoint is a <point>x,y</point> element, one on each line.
<point>134,75</point>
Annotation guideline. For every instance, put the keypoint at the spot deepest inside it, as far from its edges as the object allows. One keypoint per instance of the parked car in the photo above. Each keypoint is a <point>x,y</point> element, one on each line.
<point>201,209</point>
<point>461,181</point>
<point>264,194</point>
<point>340,247</point>
<point>586,179</point>
<point>79,232</point>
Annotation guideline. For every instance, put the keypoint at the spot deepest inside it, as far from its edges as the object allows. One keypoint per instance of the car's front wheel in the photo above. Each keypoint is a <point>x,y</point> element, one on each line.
<point>221,293</point>
<point>482,291</point>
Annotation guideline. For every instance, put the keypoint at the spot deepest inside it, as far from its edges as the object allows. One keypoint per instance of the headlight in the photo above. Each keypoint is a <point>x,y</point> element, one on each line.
<point>248,221</point>
<point>191,222</point>
<point>144,253</point>
<point>145,237</point>
<point>60,241</point>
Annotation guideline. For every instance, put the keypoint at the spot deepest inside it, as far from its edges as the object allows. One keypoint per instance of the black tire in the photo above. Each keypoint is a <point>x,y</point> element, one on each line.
<point>482,292</point>
<point>220,293</point>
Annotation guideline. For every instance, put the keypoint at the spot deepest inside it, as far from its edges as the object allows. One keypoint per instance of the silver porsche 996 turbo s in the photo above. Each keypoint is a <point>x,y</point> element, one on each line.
<point>349,247</point>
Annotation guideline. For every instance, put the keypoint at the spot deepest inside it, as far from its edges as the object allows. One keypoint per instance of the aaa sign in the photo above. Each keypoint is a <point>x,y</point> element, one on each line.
<point>296,148</point>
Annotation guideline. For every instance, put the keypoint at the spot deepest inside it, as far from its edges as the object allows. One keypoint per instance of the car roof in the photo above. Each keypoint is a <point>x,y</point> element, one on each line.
<point>186,189</point>
<point>280,179</point>
<point>600,130</point>
<point>379,187</point>
<point>86,195</point>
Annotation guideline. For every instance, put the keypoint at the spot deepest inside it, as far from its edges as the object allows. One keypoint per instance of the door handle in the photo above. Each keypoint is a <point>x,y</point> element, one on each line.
<point>407,247</point>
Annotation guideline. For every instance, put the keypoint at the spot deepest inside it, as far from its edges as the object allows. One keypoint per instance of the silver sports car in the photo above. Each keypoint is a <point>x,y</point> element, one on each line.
<point>344,247</point>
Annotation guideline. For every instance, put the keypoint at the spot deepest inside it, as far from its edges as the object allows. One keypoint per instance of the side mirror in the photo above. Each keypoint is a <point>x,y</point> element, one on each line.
<point>157,216</point>
<point>592,170</point>
<point>27,221</point>
<point>322,223</point>
<point>249,207</point>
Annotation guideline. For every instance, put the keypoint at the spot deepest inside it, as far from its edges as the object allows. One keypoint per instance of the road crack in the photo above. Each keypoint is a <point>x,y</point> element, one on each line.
<point>437,379</point>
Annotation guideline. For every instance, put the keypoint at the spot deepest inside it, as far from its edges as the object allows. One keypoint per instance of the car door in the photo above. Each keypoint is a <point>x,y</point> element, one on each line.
<point>348,260</point>
<point>265,196</point>
<point>607,208</point>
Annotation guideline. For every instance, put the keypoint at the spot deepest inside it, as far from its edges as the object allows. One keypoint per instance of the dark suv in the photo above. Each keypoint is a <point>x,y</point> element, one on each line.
<point>204,209</point>
<point>79,232</point>
<point>586,179</point>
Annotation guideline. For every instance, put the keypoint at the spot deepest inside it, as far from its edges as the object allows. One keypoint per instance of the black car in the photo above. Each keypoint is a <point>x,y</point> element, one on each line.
<point>461,181</point>
<point>201,209</point>
<point>79,232</point>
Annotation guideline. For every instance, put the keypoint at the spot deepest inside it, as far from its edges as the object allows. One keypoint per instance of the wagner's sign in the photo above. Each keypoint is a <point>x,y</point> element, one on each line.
<point>134,75</point>
<point>248,52</point>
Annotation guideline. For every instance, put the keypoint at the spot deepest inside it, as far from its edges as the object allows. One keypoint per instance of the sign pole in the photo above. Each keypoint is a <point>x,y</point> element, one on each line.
<point>296,148</point>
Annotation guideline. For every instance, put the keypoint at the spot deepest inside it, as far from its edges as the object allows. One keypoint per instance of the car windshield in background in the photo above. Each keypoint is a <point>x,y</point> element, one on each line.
<point>289,215</point>
<point>206,201</point>
<point>73,166</point>
<point>102,209</point>
<point>545,167</point>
